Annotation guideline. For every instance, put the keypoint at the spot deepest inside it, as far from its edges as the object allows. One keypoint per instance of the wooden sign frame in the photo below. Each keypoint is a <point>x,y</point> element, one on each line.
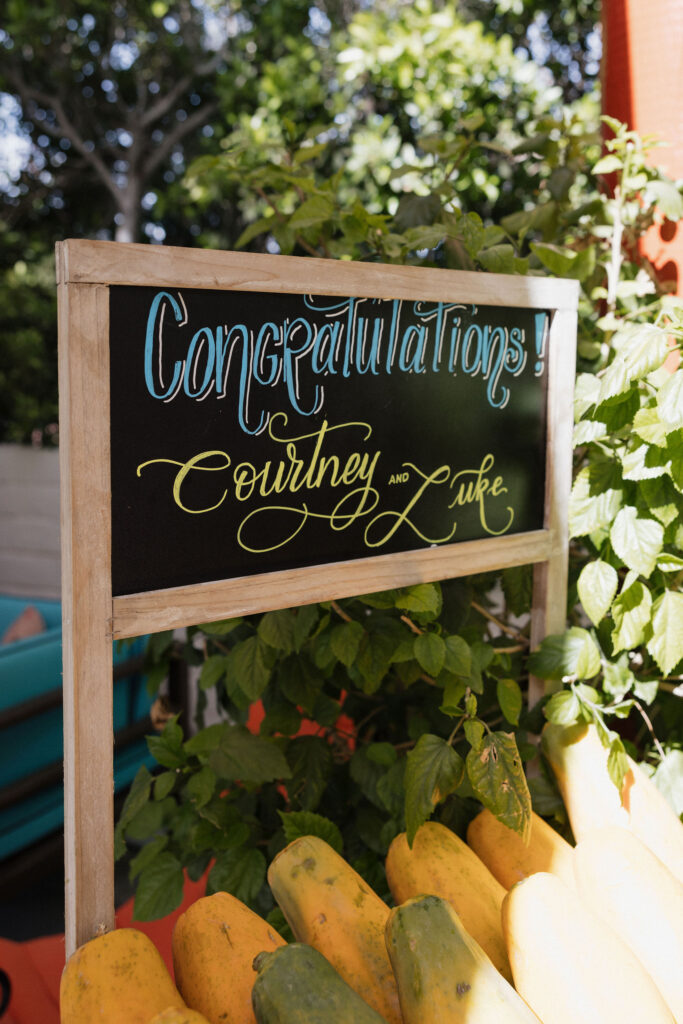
<point>93,618</point>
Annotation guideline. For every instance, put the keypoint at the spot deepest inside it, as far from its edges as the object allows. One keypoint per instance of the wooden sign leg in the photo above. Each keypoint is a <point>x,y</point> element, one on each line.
<point>86,609</point>
<point>88,787</point>
<point>549,596</point>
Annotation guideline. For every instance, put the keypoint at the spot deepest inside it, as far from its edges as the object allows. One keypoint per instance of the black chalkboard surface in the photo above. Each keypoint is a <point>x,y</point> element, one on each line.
<point>253,432</point>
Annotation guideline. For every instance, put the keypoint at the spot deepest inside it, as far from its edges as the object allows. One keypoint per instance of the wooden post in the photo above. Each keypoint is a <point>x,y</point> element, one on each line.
<point>549,595</point>
<point>86,604</point>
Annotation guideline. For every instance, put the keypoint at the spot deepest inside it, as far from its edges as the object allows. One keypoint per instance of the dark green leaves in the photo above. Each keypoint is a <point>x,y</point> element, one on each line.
<point>240,871</point>
<point>304,823</point>
<point>160,888</point>
<point>433,771</point>
<point>251,759</point>
<point>497,776</point>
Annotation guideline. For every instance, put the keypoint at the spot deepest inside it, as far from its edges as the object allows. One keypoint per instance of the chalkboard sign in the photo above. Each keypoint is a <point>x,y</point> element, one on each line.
<point>244,432</point>
<point>254,432</point>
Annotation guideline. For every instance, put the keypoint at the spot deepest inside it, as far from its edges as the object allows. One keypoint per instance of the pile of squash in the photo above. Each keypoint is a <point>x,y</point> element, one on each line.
<point>488,931</point>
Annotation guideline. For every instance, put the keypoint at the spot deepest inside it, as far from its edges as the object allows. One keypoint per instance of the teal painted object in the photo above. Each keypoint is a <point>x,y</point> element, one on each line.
<point>29,669</point>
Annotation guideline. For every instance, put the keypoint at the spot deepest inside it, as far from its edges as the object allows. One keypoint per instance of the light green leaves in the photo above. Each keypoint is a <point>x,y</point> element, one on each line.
<point>666,642</point>
<point>591,506</point>
<point>573,654</point>
<point>631,615</point>
<point>636,541</point>
<point>597,585</point>
<point>433,771</point>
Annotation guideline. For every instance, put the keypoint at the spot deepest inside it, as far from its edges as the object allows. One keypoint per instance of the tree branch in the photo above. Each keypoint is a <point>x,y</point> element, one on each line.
<point>172,139</point>
<point>35,97</point>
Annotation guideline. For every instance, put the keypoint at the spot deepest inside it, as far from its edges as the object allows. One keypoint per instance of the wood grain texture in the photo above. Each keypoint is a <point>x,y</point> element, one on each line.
<point>159,266</point>
<point>86,612</point>
<point>549,594</point>
<point>135,614</point>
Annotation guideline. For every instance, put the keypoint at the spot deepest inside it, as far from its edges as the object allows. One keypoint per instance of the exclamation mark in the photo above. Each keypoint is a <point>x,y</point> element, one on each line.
<point>541,338</point>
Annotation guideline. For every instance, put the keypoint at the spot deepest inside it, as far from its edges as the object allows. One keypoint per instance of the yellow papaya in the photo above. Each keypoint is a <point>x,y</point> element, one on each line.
<point>175,1016</point>
<point>116,978</point>
<point>633,892</point>
<point>330,907</point>
<point>441,864</point>
<point>579,763</point>
<point>443,975</point>
<point>214,944</point>
<point>568,965</point>
<point>510,859</point>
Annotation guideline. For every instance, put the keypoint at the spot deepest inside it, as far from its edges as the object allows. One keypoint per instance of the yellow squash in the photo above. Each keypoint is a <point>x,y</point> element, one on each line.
<point>569,966</point>
<point>330,907</point>
<point>623,882</point>
<point>116,978</point>
<point>443,975</point>
<point>510,859</point>
<point>214,945</point>
<point>441,864</point>
<point>579,762</point>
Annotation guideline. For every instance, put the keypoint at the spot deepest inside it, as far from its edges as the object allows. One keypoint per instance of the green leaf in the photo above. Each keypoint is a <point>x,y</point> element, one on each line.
<point>305,620</point>
<point>430,652</point>
<point>647,424</point>
<point>474,731</point>
<point>510,699</point>
<point>168,747</point>
<point>617,763</point>
<point>277,630</point>
<point>149,852</point>
<point>497,776</point>
<point>240,871</point>
<point>345,640</point>
<point>433,771</point>
<point>572,654</point>
<point>597,585</point>
<point>563,708</point>
<point>221,628</point>
<point>666,642</point>
<point>310,761</point>
<point>213,670</point>
<point>670,402</point>
<point>668,778</point>
<point>299,681</point>
<point>374,660</point>
<point>517,587</point>
<point>644,463</point>
<point>661,500</point>
<point>589,511</point>
<point>423,597</point>
<point>558,260</point>
<point>305,823</point>
<point>643,347</point>
<point>615,382</point>
<point>636,541</point>
<point>631,615</point>
<point>314,210</point>
<point>163,784</point>
<point>458,656</point>
<point>608,164</point>
<point>617,677</point>
<point>159,889</point>
<point>666,195</point>
<point>249,668</point>
<point>247,758</point>
<point>138,795</point>
<point>200,786</point>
